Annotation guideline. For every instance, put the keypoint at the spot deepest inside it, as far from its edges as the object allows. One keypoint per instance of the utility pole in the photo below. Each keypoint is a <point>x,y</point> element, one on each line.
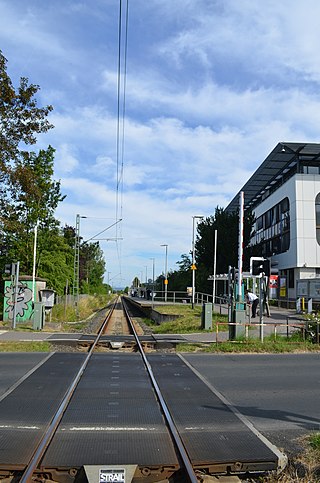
<point>193,266</point>
<point>166,274</point>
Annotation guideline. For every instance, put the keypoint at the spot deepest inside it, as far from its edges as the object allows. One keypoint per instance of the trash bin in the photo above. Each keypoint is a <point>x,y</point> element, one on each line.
<point>206,316</point>
<point>38,315</point>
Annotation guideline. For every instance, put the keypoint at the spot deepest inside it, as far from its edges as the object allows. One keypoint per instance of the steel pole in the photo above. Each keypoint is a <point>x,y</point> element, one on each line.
<point>34,262</point>
<point>214,267</point>
<point>240,255</point>
<point>166,273</point>
<point>193,260</point>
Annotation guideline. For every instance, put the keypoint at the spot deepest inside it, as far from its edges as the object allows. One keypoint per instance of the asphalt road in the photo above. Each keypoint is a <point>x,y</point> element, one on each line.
<point>279,394</point>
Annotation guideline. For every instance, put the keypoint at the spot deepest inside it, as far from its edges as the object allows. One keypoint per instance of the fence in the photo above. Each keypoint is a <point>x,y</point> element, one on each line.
<point>273,327</point>
<point>70,299</point>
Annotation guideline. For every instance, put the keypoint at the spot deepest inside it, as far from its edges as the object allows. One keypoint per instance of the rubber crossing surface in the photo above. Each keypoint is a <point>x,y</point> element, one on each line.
<point>27,410</point>
<point>212,434</point>
<point>113,417</point>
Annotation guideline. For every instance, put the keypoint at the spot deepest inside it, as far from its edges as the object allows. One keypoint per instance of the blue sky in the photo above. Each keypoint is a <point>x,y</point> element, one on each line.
<point>212,86</point>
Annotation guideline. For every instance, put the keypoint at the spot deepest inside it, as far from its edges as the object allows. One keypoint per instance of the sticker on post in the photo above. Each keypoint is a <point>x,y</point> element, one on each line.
<point>112,476</point>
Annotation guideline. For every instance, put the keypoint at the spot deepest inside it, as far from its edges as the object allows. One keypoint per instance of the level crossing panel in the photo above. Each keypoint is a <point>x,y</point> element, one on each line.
<point>212,434</point>
<point>113,418</point>
<point>27,410</point>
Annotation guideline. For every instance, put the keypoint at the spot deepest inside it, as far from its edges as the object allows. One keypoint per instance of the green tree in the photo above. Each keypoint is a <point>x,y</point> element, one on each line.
<point>179,280</point>
<point>227,226</point>
<point>91,268</point>
<point>28,195</point>
<point>55,259</point>
<point>136,282</point>
<point>33,197</point>
<point>20,117</point>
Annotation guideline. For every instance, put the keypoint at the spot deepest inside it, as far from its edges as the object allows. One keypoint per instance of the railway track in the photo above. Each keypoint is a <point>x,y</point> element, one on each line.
<point>117,322</point>
<point>116,420</point>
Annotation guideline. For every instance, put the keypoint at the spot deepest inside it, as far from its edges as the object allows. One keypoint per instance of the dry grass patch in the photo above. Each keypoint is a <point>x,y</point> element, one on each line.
<point>305,467</point>
<point>189,319</point>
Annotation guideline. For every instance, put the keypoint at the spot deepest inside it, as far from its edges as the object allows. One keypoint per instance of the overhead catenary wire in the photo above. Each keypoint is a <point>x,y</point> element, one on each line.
<point>121,112</point>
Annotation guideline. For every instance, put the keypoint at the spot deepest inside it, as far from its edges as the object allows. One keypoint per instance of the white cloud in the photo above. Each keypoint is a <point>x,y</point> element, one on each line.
<point>65,159</point>
<point>211,88</point>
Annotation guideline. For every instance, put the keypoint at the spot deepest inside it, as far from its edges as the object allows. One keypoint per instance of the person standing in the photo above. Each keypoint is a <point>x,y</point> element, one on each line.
<point>252,300</point>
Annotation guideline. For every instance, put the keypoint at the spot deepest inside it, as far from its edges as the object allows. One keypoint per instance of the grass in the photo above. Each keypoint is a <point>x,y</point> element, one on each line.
<point>270,345</point>
<point>67,318</point>
<point>303,468</point>
<point>86,307</point>
<point>189,320</point>
<point>314,441</point>
<point>25,347</point>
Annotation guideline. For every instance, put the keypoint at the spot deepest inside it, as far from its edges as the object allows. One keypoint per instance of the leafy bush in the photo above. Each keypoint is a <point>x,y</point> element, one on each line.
<point>313,327</point>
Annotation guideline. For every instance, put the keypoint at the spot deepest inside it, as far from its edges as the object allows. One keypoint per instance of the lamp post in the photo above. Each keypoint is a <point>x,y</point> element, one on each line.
<point>152,280</point>
<point>166,273</point>
<point>214,266</point>
<point>108,282</point>
<point>193,267</point>
<point>34,262</point>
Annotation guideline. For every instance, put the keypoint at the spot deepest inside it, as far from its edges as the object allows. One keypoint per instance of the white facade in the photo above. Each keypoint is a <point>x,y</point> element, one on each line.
<point>303,254</point>
<point>284,195</point>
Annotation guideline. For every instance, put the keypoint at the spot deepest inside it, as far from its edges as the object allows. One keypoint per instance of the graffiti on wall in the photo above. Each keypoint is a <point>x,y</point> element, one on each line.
<point>24,296</point>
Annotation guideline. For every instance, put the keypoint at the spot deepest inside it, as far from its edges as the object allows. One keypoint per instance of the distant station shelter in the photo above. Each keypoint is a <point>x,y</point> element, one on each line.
<point>284,195</point>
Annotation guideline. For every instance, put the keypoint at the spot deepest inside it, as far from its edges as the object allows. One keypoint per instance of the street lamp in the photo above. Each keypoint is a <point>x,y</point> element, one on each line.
<point>166,273</point>
<point>214,266</point>
<point>34,262</point>
<point>193,267</point>
<point>152,280</point>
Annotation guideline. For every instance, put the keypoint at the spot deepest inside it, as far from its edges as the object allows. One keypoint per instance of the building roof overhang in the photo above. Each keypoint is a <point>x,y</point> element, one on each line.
<point>272,171</point>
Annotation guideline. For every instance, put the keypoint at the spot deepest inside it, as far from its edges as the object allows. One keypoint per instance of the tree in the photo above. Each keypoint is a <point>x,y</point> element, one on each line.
<point>55,259</point>
<point>179,280</point>
<point>92,268</point>
<point>20,117</point>
<point>136,282</point>
<point>227,226</point>
<point>32,198</point>
<point>28,194</point>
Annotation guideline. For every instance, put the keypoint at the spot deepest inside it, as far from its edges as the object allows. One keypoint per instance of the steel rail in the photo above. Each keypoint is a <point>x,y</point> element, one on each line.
<point>53,425</point>
<point>173,429</point>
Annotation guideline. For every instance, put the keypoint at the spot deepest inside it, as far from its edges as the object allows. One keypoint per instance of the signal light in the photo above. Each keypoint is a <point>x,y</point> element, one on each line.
<point>259,266</point>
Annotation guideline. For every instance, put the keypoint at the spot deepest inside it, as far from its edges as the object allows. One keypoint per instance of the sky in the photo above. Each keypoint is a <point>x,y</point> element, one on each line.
<point>211,87</point>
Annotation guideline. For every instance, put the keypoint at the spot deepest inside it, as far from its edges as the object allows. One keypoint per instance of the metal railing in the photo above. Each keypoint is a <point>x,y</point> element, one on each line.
<point>289,328</point>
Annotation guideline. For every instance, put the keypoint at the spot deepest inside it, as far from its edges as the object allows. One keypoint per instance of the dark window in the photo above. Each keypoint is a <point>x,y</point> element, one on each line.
<point>276,245</point>
<point>285,242</point>
<point>267,219</point>
<point>310,169</point>
<point>273,229</point>
<point>291,278</point>
<point>284,205</point>
<point>259,223</point>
